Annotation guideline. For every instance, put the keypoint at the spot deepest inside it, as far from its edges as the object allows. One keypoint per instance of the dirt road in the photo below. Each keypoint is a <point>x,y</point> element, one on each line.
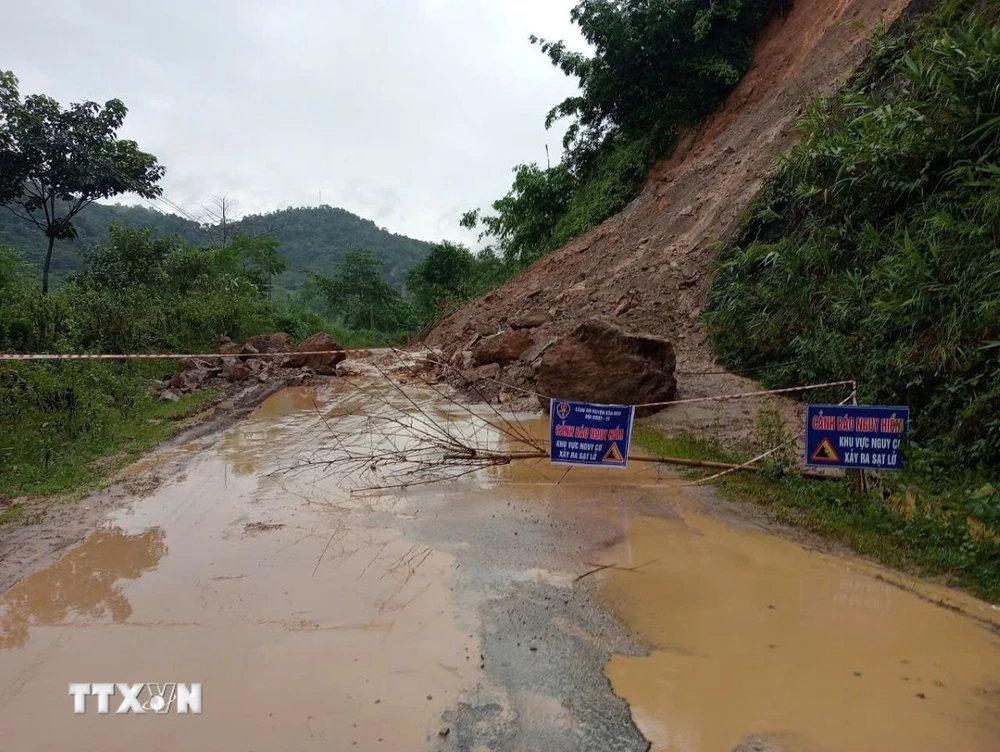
<point>469,615</point>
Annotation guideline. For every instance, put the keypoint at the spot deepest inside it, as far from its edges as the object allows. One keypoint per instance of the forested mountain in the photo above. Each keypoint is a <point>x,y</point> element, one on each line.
<point>92,225</point>
<point>312,238</point>
<point>316,238</point>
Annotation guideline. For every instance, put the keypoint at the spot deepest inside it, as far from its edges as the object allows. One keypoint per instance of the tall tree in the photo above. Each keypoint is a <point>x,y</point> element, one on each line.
<point>255,258</point>
<point>657,65</point>
<point>55,161</point>
<point>357,294</point>
<point>226,208</point>
<point>443,277</point>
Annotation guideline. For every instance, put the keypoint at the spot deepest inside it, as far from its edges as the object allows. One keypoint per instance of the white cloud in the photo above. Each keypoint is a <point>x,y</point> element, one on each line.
<point>404,111</point>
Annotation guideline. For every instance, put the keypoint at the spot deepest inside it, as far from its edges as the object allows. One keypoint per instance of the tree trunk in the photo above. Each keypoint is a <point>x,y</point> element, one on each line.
<point>45,269</point>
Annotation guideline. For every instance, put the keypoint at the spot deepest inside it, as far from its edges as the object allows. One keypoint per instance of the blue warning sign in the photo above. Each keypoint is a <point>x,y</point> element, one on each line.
<point>861,437</point>
<point>587,434</point>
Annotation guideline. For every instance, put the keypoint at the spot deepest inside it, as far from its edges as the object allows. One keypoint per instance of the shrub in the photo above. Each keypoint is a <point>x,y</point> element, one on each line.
<point>874,252</point>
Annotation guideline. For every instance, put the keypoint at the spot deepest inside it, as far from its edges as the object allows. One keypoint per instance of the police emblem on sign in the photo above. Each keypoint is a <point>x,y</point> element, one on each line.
<point>563,410</point>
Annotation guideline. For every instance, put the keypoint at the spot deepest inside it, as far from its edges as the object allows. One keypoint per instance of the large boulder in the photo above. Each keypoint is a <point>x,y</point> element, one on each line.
<point>269,343</point>
<point>233,370</point>
<point>502,348</point>
<point>598,362</point>
<point>320,342</point>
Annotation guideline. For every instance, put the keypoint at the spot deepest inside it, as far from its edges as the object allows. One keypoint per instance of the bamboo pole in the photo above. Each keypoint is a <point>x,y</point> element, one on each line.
<point>503,459</point>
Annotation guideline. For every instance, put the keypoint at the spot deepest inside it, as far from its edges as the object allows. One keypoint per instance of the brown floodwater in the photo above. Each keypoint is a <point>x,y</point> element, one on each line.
<point>753,635</point>
<point>314,620</point>
<point>307,628</point>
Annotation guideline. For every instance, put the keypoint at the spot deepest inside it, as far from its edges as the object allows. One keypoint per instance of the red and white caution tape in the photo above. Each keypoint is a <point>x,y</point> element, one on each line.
<point>744,395</point>
<point>181,356</point>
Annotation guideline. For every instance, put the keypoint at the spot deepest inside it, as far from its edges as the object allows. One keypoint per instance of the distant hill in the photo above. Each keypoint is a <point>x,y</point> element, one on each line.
<point>316,237</point>
<point>311,238</point>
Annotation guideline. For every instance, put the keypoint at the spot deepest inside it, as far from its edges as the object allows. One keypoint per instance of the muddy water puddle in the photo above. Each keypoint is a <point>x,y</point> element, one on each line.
<point>308,627</point>
<point>754,639</point>
<point>752,635</point>
<point>318,618</point>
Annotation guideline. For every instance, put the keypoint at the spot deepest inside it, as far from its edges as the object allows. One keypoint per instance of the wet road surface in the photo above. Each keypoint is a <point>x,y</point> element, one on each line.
<point>462,616</point>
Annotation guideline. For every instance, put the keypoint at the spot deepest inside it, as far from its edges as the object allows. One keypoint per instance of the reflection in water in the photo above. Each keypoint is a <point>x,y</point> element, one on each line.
<point>84,582</point>
<point>254,442</point>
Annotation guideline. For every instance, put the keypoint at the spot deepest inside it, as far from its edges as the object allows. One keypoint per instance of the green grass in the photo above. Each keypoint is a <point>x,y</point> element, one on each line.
<point>934,539</point>
<point>12,516</point>
<point>682,446</point>
<point>83,463</point>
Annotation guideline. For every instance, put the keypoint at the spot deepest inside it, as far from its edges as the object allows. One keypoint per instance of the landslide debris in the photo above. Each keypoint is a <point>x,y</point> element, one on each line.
<point>647,270</point>
<point>237,365</point>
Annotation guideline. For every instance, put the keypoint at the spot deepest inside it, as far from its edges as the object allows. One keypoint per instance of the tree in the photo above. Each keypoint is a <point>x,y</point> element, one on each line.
<point>54,162</point>
<point>657,65</point>
<point>226,206</point>
<point>357,294</point>
<point>443,277</point>
<point>255,258</point>
<point>527,215</point>
<point>452,274</point>
<point>130,259</point>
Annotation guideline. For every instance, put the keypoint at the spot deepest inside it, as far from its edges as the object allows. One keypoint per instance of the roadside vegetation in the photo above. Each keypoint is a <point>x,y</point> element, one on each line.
<point>658,67</point>
<point>63,425</point>
<point>874,252</point>
<point>137,295</point>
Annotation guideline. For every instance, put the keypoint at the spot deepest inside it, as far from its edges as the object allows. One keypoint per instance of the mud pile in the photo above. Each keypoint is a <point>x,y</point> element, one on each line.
<point>648,268</point>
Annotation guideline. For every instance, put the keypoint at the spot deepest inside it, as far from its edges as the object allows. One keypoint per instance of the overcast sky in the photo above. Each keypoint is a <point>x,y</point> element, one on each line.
<point>407,112</point>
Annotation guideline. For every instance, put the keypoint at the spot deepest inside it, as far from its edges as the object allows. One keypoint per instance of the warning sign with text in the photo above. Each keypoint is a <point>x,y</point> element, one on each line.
<point>861,437</point>
<point>586,434</point>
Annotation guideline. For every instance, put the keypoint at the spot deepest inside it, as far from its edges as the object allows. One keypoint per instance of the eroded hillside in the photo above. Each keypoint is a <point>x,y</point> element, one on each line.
<point>648,268</point>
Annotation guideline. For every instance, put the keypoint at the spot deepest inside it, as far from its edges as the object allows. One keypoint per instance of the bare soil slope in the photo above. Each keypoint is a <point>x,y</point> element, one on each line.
<point>648,268</point>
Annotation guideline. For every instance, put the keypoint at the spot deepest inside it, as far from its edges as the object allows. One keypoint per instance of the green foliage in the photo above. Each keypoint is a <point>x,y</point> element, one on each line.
<point>255,258</point>
<point>315,239</point>
<point>771,436</point>
<point>874,252</point>
<point>72,156</point>
<point>615,180</point>
<point>58,421</point>
<point>309,238</point>
<point>450,275</point>
<point>526,217</point>
<point>137,294</point>
<point>657,66</point>
<point>357,295</point>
